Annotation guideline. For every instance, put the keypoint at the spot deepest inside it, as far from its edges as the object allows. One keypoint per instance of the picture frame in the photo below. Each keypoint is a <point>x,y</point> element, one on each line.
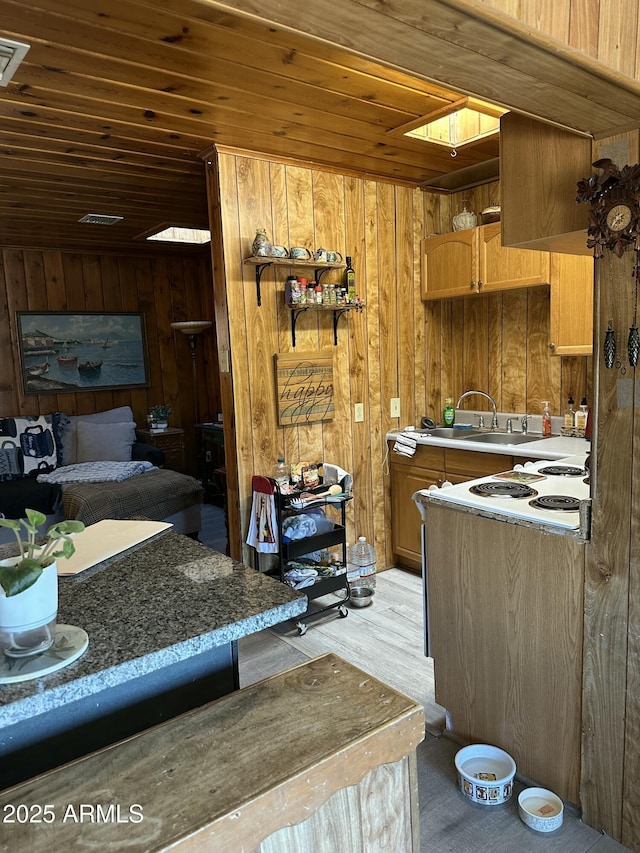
<point>304,388</point>
<point>74,351</point>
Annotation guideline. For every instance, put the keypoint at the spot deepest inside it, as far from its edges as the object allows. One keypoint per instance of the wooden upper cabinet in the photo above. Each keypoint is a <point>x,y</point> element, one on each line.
<point>501,268</point>
<point>474,261</point>
<point>449,264</point>
<point>540,166</point>
<point>571,304</point>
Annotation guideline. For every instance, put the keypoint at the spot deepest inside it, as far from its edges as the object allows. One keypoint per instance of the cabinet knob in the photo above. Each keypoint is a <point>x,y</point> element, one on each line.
<point>552,346</point>
<point>480,284</point>
<point>472,284</point>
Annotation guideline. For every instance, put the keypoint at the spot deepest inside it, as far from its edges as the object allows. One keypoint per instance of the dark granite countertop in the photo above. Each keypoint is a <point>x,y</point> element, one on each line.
<point>164,602</point>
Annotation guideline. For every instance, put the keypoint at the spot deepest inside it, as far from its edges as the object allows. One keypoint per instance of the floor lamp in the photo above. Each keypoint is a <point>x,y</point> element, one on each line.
<point>193,328</point>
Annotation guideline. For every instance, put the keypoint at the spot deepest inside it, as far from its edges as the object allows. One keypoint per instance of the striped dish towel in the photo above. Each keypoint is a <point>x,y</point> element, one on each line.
<point>405,444</point>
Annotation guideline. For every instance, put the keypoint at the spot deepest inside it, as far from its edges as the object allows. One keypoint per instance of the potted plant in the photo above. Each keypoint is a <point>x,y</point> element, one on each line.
<point>159,415</point>
<point>29,583</point>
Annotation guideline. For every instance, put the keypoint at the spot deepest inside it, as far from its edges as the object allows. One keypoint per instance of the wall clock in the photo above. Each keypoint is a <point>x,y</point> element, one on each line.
<point>614,196</point>
<point>614,223</point>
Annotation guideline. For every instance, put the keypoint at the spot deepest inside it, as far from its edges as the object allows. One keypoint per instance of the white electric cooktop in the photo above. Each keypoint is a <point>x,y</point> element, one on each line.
<point>548,492</point>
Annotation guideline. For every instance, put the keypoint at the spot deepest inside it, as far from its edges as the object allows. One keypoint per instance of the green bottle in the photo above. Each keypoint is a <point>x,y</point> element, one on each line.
<point>449,413</point>
<point>350,281</point>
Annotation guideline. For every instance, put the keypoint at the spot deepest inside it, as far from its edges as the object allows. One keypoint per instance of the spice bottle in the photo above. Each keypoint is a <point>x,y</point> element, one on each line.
<point>546,420</point>
<point>290,285</point>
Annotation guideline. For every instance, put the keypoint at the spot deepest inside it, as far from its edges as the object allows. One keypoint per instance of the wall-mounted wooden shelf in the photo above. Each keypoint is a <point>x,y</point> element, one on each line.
<point>261,264</point>
<point>337,311</point>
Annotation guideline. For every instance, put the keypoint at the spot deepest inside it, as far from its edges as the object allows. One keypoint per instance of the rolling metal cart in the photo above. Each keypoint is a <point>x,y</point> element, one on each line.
<point>291,549</point>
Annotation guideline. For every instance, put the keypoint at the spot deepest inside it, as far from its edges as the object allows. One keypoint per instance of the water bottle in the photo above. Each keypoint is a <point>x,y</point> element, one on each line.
<point>361,564</point>
<point>281,475</point>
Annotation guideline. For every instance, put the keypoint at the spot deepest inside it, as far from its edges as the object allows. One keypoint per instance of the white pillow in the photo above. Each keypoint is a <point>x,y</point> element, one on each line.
<point>69,436</point>
<point>104,442</point>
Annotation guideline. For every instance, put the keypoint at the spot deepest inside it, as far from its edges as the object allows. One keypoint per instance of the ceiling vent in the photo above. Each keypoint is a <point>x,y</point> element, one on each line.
<point>100,219</point>
<point>11,55</point>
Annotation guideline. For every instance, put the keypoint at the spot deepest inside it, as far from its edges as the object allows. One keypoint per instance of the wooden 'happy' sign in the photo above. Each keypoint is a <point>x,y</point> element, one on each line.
<point>304,385</point>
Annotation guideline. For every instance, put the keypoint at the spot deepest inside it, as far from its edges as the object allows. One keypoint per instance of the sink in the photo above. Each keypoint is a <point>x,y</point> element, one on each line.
<point>505,438</point>
<point>451,432</point>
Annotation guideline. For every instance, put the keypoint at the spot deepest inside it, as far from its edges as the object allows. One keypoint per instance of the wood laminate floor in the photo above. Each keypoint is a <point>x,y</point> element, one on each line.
<point>386,641</point>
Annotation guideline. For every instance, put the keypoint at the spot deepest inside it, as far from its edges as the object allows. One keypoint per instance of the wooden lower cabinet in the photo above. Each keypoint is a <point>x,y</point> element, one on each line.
<point>430,466</point>
<point>506,619</point>
<point>406,523</point>
<point>409,474</point>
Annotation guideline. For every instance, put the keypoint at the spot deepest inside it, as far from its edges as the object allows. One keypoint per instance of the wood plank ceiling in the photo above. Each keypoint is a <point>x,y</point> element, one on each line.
<point>116,101</point>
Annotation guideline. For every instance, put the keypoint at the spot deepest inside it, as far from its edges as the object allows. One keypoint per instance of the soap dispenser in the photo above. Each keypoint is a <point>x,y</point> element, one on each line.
<point>582,415</point>
<point>570,415</point>
<point>546,420</point>
<point>449,413</point>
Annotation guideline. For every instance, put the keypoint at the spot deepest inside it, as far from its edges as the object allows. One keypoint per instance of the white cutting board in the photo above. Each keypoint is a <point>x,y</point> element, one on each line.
<point>105,539</point>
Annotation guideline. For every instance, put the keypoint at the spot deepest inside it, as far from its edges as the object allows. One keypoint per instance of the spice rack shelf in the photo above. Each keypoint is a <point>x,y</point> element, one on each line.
<point>262,262</point>
<point>336,310</point>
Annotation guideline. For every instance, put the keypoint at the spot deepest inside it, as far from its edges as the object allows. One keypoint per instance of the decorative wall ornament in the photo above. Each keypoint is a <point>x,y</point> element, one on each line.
<point>614,196</point>
<point>614,223</point>
<point>304,387</point>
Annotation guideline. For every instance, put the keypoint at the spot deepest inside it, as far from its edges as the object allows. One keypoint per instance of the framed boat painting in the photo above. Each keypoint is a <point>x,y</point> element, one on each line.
<point>66,351</point>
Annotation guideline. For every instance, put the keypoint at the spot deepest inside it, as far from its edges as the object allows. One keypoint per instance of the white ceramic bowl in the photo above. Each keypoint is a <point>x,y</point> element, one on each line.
<point>540,809</point>
<point>485,773</point>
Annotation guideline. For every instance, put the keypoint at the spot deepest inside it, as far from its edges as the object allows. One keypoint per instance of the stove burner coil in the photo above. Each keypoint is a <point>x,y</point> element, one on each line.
<point>504,489</point>
<point>557,503</point>
<point>562,471</point>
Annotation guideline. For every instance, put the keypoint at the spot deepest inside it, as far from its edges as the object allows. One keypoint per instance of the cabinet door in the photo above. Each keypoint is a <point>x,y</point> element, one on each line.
<point>449,265</point>
<point>503,268</point>
<point>406,521</point>
<point>571,305</point>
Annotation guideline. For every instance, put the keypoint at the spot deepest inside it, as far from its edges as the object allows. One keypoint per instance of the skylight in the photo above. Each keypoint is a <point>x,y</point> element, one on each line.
<point>456,125</point>
<point>175,234</point>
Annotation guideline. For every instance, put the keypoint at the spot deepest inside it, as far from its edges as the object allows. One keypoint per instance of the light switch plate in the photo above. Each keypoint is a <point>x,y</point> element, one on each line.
<point>358,414</point>
<point>395,407</point>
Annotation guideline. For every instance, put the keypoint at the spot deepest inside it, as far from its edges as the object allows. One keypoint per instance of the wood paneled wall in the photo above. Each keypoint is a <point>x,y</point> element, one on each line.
<point>398,346</point>
<point>498,342</point>
<point>165,288</point>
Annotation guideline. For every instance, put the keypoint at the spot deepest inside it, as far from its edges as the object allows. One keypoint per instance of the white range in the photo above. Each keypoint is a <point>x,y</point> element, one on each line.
<point>554,494</point>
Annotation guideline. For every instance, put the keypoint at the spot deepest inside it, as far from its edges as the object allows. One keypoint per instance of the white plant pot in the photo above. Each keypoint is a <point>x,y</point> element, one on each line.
<point>28,620</point>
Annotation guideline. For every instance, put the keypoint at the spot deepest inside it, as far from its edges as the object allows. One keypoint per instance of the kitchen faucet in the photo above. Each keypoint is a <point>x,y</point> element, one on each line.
<point>494,419</point>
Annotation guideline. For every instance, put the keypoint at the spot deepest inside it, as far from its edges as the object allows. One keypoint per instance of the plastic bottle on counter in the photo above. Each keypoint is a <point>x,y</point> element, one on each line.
<point>280,474</point>
<point>581,415</point>
<point>361,564</point>
<point>546,420</point>
<point>569,415</point>
<point>448,413</point>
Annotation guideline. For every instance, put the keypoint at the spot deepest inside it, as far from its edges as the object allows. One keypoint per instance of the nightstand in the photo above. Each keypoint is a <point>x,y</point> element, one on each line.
<point>171,440</point>
<point>210,438</point>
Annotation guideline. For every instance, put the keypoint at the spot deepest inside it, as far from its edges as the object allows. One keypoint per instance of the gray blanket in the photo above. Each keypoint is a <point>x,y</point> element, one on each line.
<point>154,495</point>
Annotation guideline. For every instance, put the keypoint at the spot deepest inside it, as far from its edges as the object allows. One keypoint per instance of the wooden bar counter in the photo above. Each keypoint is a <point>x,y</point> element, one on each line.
<point>320,757</point>
<point>163,622</point>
